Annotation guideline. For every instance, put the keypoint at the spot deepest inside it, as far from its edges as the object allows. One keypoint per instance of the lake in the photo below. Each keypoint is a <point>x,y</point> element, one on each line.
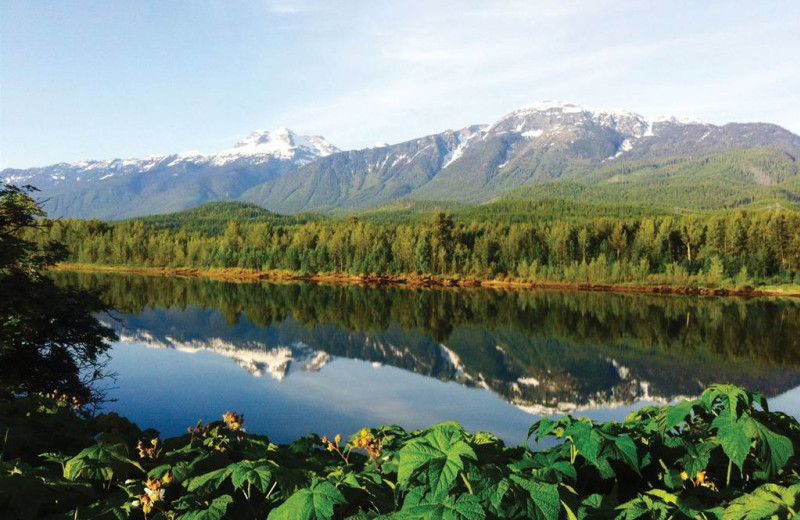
<point>297,358</point>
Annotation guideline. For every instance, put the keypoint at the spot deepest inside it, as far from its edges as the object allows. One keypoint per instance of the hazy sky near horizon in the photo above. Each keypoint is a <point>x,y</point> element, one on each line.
<point>99,79</point>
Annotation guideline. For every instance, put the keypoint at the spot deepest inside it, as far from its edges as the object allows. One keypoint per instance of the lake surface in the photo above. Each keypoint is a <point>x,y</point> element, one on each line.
<point>300,358</point>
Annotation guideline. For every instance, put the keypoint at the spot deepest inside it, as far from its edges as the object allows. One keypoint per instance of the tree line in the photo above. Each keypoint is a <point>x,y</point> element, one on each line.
<point>733,248</point>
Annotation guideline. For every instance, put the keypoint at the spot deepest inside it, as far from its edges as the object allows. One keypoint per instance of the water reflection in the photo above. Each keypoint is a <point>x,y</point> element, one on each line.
<point>543,352</point>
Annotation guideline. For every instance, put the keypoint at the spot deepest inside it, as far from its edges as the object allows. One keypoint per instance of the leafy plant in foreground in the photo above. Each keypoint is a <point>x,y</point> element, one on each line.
<point>723,455</point>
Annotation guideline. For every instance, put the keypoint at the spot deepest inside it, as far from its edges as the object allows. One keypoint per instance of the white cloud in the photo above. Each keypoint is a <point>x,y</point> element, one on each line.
<point>361,72</point>
<point>450,67</point>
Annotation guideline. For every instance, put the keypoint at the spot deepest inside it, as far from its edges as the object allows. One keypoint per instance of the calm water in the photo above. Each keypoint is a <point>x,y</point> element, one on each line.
<point>301,358</point>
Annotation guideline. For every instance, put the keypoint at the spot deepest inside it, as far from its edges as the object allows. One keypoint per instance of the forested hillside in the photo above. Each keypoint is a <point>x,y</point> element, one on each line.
<point>754,178</point>
<point>553,242</point>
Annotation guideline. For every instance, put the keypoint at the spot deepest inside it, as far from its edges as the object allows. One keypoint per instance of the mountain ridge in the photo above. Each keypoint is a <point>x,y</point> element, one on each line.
<point>120,188</point>
<point>536,145</point>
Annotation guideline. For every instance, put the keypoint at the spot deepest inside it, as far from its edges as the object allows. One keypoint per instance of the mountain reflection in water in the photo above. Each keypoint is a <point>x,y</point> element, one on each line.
<point>544,352</point>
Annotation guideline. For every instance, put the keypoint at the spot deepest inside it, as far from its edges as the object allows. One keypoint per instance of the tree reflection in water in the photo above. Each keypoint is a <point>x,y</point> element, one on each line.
<point>544,351</point>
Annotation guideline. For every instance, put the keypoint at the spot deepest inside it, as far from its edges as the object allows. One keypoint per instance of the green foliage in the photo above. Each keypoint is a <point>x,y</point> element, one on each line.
<point>439,455</point>
<point>49,339</point>
<point>536,241</point>
<point>723,455</point>
<point>754,178</point>
<point>313,503</point>
<point>212,217</point>
<point>767,501</point>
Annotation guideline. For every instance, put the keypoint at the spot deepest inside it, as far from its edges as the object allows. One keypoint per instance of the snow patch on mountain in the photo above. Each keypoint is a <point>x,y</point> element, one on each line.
<point>259,147</point>
<point>255,357</point>
<point>279,144</point>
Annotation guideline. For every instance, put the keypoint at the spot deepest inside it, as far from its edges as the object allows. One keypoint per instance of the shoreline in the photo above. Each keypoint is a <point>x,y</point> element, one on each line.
<point>417,281</point>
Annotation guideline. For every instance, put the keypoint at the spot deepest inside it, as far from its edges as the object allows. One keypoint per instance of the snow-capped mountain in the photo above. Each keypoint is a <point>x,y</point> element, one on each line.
<point>284,144</point>
<point>553,117</point>
<point>257,358</point>
<point>259,147</point>
<point>365,177</point>
<point>529,147</point>
<point>118,188</point>
<point>532,145</point>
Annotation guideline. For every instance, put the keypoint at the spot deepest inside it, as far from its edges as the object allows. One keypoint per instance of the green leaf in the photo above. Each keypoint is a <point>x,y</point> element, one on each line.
<point>313,503</point>
<point>491,485</point>
<point>547,466</point>
<point>733,436</point>
<point>542,428</point>
<point>730,397</point>
<point>159,471</point>
<point>465,507</point>
<point>696,456</point>
<point>767,501</point>
<point>100,462</point>
<point>440,453</point>
<point>677,414</point>
<point>600,443</point>
<point>585,438</point>
<point>216,510</point>
<point>257,474</point>
<point>626,450</point>
<point>597,506</point>
<point>193,463</point>
<point>545,502</point>
<point>211,480</point>
<point>481,438</point>
<point>665,496</point>
<point>644,506</point>
<point>775,449</point>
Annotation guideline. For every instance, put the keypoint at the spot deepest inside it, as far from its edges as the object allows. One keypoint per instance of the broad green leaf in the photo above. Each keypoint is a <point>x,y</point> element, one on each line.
<point>313,503</point>
<point>545,503</point>
<point>100,462</point>
<point>490,485</point>
<point>626,451</point>
<point>465,507</point>
<point>542,428</point>
<point>159,471</point>
<point>677,413</point>
<point>211,480</point>
<point>548,466</point>
<point>597,506</point>
<point>439,452</point>
<point>215,510</point>
<point>585,439</point>
<point>257,474</point>
<point>485,438</point>
<point>730,397</point>
<point>597,446</point>
<point>664,496</point>
<point>696,456</point>
<point>733,436</point>
<point>195,463</point>
<point>767,501</point>
<point>644,507</point>
<point>775,449</point>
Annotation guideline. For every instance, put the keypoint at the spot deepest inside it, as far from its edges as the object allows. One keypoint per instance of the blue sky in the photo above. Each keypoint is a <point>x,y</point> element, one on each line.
<point>102,79</point>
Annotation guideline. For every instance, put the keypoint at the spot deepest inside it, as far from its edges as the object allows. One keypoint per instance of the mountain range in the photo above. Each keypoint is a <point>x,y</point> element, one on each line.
<point>546,150</point>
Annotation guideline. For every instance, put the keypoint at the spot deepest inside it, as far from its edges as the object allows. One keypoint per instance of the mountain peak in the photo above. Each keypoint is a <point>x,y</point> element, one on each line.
<point>281,143</point>
<point>545,105</point>
<point>563,107</point>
